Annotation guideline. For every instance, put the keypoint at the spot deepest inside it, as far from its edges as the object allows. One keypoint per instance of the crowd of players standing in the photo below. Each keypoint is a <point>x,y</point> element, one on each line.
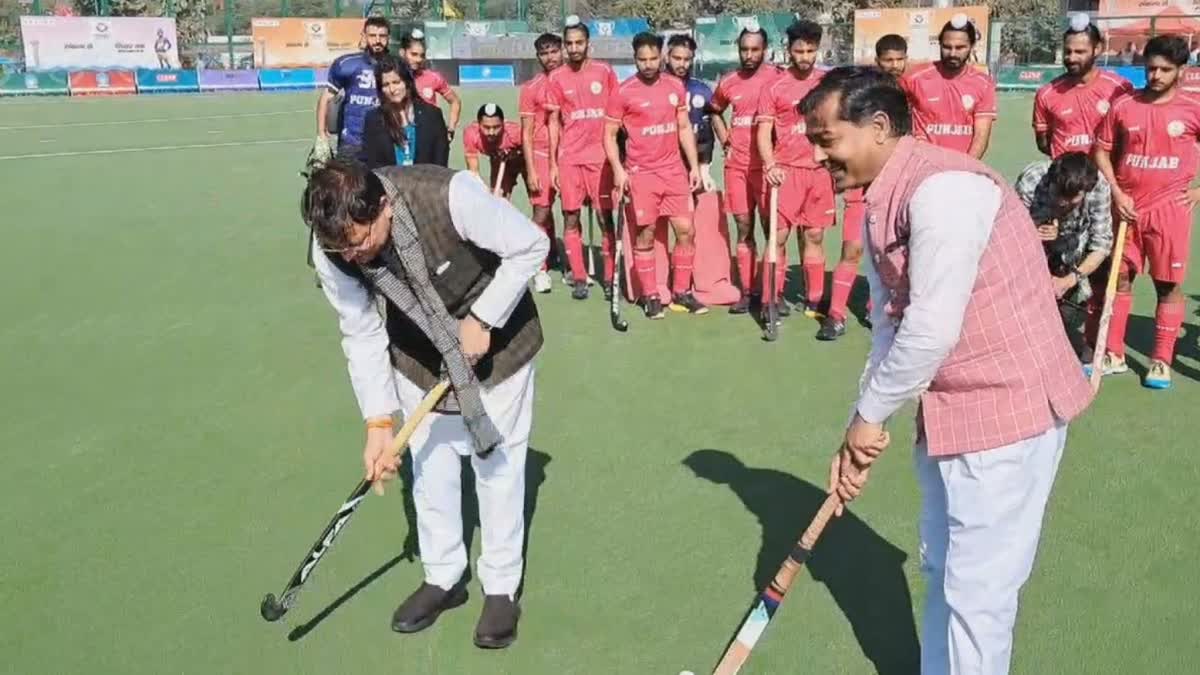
<point>1115,153</point>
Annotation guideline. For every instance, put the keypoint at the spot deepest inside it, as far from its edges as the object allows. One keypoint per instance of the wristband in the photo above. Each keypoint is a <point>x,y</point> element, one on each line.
<point>380,424</point>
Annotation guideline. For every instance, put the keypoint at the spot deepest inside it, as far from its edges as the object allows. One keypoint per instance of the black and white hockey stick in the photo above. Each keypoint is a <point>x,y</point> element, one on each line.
<point>272,608</point>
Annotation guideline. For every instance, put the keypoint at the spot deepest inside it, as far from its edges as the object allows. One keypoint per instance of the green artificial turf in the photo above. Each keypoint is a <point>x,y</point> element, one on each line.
<point>178,426</point>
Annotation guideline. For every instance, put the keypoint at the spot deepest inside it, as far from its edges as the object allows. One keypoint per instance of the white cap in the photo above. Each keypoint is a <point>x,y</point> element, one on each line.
<point>959,21</point>
<point>572,20</point>
<point>1080,21</point>
<point>489,109</point>
<point>417,34</point>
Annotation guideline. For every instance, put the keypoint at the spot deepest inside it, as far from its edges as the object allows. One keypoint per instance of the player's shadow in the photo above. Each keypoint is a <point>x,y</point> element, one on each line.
<point>856,304</point>
<point>535,475</point>
<point>863,571</point>
<point>1139,336</point>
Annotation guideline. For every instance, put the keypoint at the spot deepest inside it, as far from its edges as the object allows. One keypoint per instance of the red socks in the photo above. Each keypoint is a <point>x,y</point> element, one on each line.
<point>682,259</point>
<point>573,241</point>
<point>643,266</point>
<point>1167,321</point>
<point>745,265</point>
<point>843,281</point>
<point>814,278</point>
<point>1122,304</point>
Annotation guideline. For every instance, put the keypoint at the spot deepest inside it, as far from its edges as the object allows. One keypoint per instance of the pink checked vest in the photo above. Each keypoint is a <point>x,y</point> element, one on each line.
<point>1013,371</point>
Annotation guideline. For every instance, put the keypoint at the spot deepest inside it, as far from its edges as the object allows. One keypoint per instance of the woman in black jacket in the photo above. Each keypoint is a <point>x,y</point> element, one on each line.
<point>403,129</point>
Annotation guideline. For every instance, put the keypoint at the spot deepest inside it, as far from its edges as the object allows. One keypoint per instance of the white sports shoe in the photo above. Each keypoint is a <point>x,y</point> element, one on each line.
<point>541,282</point>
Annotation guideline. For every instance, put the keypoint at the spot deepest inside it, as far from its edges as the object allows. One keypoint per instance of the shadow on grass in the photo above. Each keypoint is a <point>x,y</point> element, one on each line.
<point>535,476</point>
<point>856,304</point>
<point>862,570</point>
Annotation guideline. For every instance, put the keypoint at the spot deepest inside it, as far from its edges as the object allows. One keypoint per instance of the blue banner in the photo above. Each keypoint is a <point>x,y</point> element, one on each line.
<point>485,75</point>
<point>272,79</point>
<point>624,71</point>
<point>617,27</point>
<point>167,81</point>
<point>1135,74</point>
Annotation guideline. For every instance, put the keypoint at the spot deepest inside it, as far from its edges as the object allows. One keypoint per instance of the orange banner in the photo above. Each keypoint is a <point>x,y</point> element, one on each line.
<point>920,26</point>
<point>303,43</point>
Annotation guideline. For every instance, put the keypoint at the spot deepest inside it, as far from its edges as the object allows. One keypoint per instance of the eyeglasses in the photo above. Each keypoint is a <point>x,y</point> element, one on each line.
<point>351,247</point>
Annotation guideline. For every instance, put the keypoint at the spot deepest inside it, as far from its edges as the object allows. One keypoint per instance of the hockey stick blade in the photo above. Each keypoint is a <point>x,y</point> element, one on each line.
<point>770,303</point>
<point>619,324</point>
<point>272,608</point>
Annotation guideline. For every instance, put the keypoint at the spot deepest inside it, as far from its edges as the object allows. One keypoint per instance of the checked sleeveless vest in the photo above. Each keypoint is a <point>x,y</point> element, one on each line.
<point>1012,371</point>
<point>459,271</point>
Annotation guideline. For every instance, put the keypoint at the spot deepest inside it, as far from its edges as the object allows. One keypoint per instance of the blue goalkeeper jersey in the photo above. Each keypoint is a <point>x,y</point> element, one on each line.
<point>698,96</point>
<point>354,76</point>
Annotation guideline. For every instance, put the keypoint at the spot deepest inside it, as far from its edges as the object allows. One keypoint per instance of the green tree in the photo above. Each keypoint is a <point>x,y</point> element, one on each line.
<point>189,22</point>
<point>1032,29</point>
<point>127,7</point>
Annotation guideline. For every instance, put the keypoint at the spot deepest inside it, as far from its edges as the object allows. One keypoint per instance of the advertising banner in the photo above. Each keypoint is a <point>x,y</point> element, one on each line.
<point>625,28</point>
<point>1191,79</point>
<point>53,42</point>
<point>228,80</point>
<point>270,79</point>
<point>101,82</point>
<point>1032,77</point>
<point>167,81</point>
<point>34,84</point>
<point>485,75</point>
<point>1025,77</point>
<point>301,42</point>
<point>920,26</point>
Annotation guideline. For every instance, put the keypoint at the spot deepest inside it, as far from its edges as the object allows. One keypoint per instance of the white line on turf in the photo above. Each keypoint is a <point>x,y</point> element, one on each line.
<point>156,148</point>
<point>155,120</point>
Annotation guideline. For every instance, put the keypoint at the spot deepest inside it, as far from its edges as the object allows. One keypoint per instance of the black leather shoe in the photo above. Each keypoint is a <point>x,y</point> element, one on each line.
<point>497,627</point>
<point>422,608</point>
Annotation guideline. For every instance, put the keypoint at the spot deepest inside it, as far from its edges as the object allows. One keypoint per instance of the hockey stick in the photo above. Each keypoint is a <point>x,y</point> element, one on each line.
<point>770,304</point>
<point>614,308</point>
<point>771,597</point>
<point>591,245</point>
<point>273,609</point>
<point>499,178</point>
<point>1110,291</point>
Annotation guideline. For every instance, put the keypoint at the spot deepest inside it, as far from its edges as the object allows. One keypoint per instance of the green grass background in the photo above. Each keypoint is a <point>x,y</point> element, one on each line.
<point>178,424</point>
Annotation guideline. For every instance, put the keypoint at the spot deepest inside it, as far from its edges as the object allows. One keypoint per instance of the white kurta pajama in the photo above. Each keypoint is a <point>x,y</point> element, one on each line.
<point>441,439</point>
<point>981,512</point>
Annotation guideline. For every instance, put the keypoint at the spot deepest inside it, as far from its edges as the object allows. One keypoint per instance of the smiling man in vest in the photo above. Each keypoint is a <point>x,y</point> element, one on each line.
<point>964,318</point>
<point>452,262</point>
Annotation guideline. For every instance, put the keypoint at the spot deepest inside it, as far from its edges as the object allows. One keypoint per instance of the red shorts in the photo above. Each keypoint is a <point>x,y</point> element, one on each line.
<point>854,216</point>
<point>580,182</point>
<point>1161,236</point>
<point>545,197</point>
<point>805,199</point>
<point>740,186</point>
<point>659,193</point>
